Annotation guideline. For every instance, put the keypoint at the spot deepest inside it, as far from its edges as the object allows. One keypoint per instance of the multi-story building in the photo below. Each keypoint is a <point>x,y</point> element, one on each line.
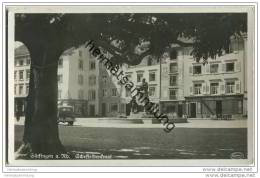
<point>73,81</point>
<point>176,82</point>
<point>165,81</point>
<point>172,83</point>
<point>21,78</point>
<point>218,87</point>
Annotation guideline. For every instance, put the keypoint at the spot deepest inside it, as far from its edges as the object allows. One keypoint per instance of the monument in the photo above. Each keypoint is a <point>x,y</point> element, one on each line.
<point>138,109</point>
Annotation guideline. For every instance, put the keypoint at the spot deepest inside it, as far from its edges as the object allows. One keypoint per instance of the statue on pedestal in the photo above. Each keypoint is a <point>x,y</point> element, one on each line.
<point>144,88</point>
<point>134,105</point>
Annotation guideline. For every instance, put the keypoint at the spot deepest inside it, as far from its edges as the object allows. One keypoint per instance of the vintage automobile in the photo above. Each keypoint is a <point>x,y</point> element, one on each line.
<point>66,114</point>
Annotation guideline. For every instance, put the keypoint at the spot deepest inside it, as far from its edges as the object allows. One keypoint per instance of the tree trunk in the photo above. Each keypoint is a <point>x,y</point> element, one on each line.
<point>41,128</point>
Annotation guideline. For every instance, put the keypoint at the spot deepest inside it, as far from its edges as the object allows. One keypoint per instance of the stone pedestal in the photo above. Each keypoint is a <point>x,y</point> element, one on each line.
<point>140,115</point>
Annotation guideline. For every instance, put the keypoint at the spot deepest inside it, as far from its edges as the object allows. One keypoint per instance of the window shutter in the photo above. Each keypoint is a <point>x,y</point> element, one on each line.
<point>207,66</point>
<point>223,67</point>
<point>190,70</point>
<point>238,66</point>
<point>222,88</point>
<point>207,89</point>
<point>191,90</point>
<point>198,107</point>
<point>165,93</point>
<point>203,88</point>
<point>238,87</point>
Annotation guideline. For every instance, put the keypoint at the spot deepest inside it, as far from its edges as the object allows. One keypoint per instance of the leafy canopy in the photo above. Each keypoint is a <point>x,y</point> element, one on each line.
<point>130,37</point>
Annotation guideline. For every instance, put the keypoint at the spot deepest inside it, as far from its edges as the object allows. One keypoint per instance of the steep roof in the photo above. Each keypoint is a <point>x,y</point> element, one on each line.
<point>21,50</point>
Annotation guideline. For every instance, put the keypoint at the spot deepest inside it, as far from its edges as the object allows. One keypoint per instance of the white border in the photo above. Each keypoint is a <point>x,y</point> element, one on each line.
<point>165,162</point>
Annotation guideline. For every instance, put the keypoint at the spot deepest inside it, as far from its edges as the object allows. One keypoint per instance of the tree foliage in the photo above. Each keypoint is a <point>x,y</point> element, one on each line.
<point>208,33</point>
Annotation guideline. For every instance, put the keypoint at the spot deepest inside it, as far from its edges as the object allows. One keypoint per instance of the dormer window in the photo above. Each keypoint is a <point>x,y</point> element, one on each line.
<point>173,54</point>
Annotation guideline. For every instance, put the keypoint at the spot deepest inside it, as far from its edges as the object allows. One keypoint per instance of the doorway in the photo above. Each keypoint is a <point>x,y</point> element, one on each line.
<point>91,110</point>
<point>104,111</point>
<point>193,110</point>
<point>128,109</point>
<point>219,108</point>
<point>180,110</point>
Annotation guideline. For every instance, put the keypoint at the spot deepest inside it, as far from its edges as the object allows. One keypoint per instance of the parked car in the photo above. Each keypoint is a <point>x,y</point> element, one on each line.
<point>66,114</point>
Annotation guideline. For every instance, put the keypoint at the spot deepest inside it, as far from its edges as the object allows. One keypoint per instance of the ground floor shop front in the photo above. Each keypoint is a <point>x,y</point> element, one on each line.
<point>215,106</point>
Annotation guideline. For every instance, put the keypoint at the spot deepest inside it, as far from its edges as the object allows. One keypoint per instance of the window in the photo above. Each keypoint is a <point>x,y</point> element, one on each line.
<point>92,95</point>
<point>173,67</point>
<point>173,80</point>
<point>152,76</point>
<point>80,79</point>
<point>104,92</point>
<point>21,75</point>
<point>92,65</point>
<point>27,74</point>
<point>80,94</point>
<point>27,89</point>
<point>20,89</point>
<point>80,53</point>
<point>92,80</point>
<point>173,94</point>
<point>151,91</point>
<point>114,92</point>
<point>59,94</point>
<point>173,55</point>
<point>28,61</point>
<point>230,67</point>
<point>15,89</point>
<point>60,62</point>
<point>149,61</point>
<point>21,62</point>
<point>15,75</point>
<point>197,88</point>
<point>230,87</point>
<point>196,69</point>
<point>214,68</point>
<point>129,76</point>
<point>214,88</point>
<point>114,107</point>
<point>104,79</point>
<point>81,64</point>
<point>127,92</point>
<point>59,78</point>
<point>139,77</point>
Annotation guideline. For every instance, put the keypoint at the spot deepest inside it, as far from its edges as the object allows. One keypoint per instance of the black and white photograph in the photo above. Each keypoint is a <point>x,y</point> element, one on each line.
<point>164,86</point>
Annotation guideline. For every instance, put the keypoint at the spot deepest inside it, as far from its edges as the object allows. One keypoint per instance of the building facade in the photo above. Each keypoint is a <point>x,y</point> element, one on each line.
<point>176,82</point>
<point>72,81</point>
<point>217,88</point>
<point>21,78</point>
